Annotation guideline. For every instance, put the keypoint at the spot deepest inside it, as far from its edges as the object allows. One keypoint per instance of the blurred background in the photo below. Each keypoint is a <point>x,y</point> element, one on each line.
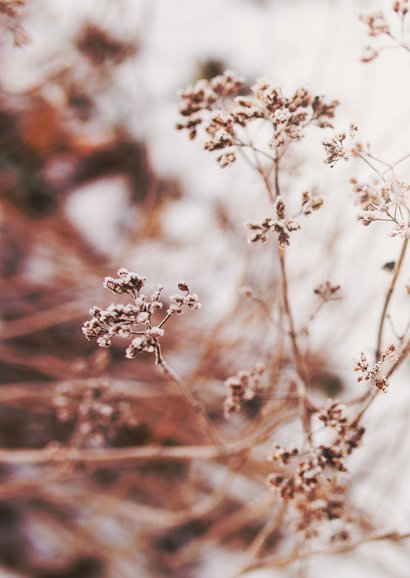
<point>93,177</point>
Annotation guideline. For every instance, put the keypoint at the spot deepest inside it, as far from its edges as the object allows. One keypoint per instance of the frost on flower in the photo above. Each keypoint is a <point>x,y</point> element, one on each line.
<point>282,226</point>
<point>224,106</point>
<point>135,320</point>
<point>373,373</point>
<point>309,480</point>
<point>242,387</point>
<point>384,201</point>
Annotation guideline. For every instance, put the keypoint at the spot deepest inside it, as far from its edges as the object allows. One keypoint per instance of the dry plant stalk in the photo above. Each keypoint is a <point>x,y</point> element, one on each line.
<point>311,478</point>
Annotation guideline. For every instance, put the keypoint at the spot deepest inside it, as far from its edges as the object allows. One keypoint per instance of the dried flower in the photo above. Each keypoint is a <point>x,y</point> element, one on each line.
<point>372,373</point>
<point>335,150</point>
<point>242,387</point>
<point>376,23</point>
<point>135,320</point>
<point>311,203</point>
<point>281,227</point>
<point>387,200</point>
<point>308,480</point>
<point>219,106</point>
<point>327,291</point>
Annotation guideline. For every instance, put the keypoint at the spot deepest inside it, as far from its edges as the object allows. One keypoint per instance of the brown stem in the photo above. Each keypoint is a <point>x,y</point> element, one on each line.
<point>300,367</point>
<point>337,549</point>
<point>261,537</point>
<point>277,187</point>
<point>196,405</point>
<point>112,455</point>
<point>388,297</point>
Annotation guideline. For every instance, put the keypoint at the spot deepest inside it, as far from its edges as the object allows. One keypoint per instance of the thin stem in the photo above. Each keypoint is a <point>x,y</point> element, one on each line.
<point>186,393</point>
<point>254,148</point>
<point>337,549</point>
<point>259,168</point>
<point>388,297</point>
<point>258,542</point>
<point>277,187</point>
<point>402,159</point>
<point>364,159</point>
<point>303,384</point>
<point>300,368</point>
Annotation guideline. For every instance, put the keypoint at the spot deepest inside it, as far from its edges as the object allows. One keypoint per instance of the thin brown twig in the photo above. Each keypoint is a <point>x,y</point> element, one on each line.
<point>195,404</point>
<point>336,549</point>
<point>388,297</point>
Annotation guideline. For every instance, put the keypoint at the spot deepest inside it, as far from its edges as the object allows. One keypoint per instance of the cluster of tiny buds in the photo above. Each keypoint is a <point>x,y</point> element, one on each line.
<point>242,387</point>
<point>282,226</point>
<point>372,373</point>
<point>226,106</point>
<point>96,409</point>
<point>377,25</point>
<point>333,415</point>
<point>388,200</point>
<point>328,291</point>
<point>349,432</point>
<point>304,479</point>
<point>311,203</point>
<point>335,147</point>
<point>401,7</point>
<point>135,320</point>
<point>282,455</point>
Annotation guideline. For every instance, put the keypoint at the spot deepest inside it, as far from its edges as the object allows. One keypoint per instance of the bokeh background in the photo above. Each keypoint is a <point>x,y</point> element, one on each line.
<point>93,177</point>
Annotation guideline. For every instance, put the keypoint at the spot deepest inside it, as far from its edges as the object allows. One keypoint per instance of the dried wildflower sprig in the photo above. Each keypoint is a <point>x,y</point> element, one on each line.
<point>135,321</point>
<point>242,387</point>
<point>335,147</point>
<point>328,291</point>
<point>372,373</point>
<point>310,203</point>
<point>224,112</point>
<point>282,226</point>
<point>378,26</point>
<point>309,480</point>
<point>224,106</point>
<point>384,200</point>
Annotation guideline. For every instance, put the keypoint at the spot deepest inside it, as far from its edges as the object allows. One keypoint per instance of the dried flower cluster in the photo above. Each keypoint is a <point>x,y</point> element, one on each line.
<point>372,373</point>
<point>384,200</point>
<point>135,320</point>
<point>378,26</point>
<point>242,387</point>
<point>327,291</point>
<point>226,106</point>
<point>282,226</point>
<point>308,480</point>
<point>311,203</point>
<point>96,409</point>
<point>335,147</point>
